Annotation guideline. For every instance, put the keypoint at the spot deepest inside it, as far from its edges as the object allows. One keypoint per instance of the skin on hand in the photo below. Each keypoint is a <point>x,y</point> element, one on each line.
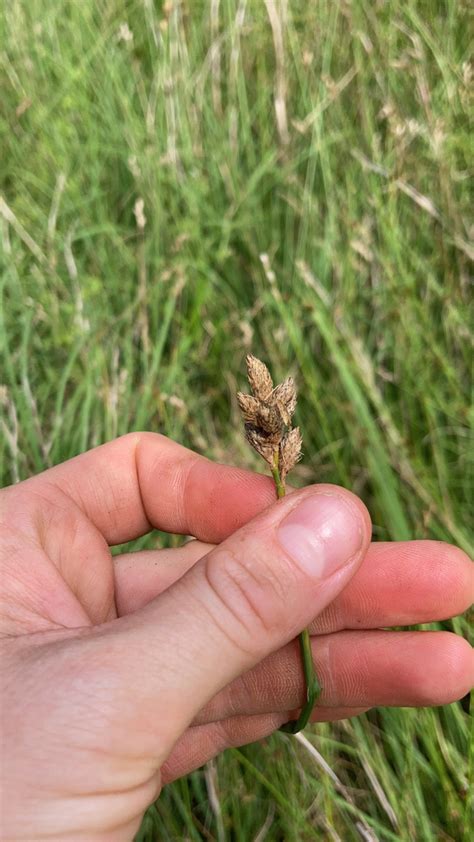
<point>122,674</point>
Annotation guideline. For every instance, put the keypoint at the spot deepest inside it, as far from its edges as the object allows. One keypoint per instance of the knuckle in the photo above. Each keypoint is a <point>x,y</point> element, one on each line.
<point>344,680</point>
<point>252,596</point>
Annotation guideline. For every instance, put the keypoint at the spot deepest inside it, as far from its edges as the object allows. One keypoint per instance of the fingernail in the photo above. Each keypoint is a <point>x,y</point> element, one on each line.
<point>321,534</point>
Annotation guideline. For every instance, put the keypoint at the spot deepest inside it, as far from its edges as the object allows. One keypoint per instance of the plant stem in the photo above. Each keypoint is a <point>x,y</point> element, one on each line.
<point>279,485</point>
<point>313,688</point>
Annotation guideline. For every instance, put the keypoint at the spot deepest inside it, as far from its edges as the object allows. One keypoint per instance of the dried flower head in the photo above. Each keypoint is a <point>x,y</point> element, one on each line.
<point>284,397</point>
<point>267,414</point>
<point>259,377</point>
<point>290,451</point>
<point>264,448</point>
<point>248,407</point>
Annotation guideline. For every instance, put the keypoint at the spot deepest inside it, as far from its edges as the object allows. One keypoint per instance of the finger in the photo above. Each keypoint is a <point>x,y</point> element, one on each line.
<point>142,576</point>
<point>201,743</point>
<point>247,597</point>
<point>402,583</point>
<point>355,669</point>
<point>143,481</point>
<point>397,584</point>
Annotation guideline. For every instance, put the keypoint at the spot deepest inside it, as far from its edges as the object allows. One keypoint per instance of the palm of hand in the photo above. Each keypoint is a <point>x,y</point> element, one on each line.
<point>58,586</point>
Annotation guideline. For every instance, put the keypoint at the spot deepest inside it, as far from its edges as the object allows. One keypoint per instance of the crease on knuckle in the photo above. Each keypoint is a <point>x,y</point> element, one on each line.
<point>252,605</point>
<point>343,685</point>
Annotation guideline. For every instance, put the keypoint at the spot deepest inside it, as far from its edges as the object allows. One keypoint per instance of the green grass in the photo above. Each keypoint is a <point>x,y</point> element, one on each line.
<point>332,241</point>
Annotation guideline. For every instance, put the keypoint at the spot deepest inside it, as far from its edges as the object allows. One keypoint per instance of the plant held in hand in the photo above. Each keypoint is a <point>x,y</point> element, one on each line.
<point>267,414</point>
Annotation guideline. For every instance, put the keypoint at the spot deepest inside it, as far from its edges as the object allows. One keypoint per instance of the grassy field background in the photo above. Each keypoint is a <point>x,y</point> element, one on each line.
<point>185,181</point>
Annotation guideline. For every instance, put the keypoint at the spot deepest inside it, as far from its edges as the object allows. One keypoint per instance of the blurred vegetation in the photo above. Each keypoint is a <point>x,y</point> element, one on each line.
<point>185,181</point>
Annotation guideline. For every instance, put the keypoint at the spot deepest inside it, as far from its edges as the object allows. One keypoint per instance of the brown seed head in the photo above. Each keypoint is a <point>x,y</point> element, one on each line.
<point>270,421</point>
<point>290,451</point>
<point>267,412</point>
<point>248,407</point>
<point>284,396</point>
<point>259,443</point>
<point>259,377</point>
<point>263,417</point>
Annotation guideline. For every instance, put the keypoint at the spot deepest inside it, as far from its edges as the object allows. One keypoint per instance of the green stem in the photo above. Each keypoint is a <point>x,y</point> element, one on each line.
<point>279,485</point>
<point>313,688</point>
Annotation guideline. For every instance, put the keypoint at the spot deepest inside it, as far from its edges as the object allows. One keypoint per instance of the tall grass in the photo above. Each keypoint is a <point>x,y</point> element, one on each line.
<point>303,169</point>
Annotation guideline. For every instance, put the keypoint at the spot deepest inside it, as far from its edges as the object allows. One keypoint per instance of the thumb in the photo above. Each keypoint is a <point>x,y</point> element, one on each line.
<point>246,598</point>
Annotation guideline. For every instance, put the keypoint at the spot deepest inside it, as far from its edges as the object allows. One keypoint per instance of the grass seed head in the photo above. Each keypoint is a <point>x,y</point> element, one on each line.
<point>290,451</point>
<point>284,397</point>
<point>267,414</point>
<point>248,407</point>
<point>260,443</point>
<point>259,377</point>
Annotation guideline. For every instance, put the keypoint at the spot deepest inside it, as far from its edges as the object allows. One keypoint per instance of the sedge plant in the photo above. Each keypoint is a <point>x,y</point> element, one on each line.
<point>267,415</point>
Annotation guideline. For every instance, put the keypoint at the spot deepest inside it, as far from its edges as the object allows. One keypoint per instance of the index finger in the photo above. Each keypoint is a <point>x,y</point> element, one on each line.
<point>144,481</point>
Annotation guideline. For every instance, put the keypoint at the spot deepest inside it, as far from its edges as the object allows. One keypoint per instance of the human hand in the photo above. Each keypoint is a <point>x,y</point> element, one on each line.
<point>122,674</point>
